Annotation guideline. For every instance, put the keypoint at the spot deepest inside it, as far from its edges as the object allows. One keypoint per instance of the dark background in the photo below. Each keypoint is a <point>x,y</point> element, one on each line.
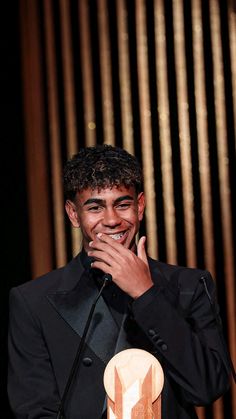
<point>14,238</point>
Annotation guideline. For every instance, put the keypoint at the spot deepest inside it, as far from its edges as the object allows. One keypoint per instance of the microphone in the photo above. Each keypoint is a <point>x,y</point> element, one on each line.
<point>87,263</point>
<point>219,327</point>
<point>107,278</point>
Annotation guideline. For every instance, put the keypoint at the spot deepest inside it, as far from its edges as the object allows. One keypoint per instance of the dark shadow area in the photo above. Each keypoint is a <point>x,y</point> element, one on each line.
<point>15,247</point>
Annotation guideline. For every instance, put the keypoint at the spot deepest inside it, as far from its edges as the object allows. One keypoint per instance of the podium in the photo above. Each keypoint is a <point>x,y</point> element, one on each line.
<point>133,381</point>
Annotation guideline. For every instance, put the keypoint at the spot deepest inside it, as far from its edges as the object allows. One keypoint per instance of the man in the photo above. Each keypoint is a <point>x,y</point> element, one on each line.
<point>150,305</point>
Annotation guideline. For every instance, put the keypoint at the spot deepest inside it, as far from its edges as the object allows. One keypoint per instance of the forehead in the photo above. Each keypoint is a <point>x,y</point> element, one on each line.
<point>106,194</point>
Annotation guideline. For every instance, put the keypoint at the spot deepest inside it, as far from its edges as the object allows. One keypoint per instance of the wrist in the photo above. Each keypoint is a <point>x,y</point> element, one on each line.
<point>142,291</point>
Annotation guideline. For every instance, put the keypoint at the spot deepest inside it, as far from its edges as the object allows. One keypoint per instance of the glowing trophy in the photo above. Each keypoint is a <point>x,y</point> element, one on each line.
<point>133,380</point>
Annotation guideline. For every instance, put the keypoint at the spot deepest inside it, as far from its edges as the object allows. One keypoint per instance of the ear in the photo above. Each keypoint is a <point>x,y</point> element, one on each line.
<point>141,205</point>
<point>72,213</point>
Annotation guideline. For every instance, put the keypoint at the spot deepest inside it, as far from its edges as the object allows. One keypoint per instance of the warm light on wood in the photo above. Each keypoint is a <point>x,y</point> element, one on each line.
<point>184,131</point>
<point>202,134</point>
<point>106,78</point>
<point>87,76</point>
<point>146,134</point>
<point>124,76</point>
<point>54,129</point>
<point>164,128</point>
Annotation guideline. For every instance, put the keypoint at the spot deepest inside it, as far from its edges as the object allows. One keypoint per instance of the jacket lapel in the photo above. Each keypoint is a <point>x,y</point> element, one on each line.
<point>74,306</point>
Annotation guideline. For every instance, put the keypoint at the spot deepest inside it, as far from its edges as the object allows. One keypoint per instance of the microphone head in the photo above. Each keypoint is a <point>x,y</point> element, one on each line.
<point>107,277</point>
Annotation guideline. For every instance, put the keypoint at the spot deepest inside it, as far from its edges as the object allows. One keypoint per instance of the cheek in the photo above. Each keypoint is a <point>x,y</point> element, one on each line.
<point>135,218</point>
<point>89,222</point>
<point>137,215</point>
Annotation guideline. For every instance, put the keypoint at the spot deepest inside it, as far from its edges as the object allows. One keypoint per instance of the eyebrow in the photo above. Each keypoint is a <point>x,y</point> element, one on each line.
<point>102,201</point>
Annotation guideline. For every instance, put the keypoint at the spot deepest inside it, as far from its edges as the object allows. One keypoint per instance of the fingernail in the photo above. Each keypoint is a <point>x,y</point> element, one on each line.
<point>99,235</point>
<point>91,243</point>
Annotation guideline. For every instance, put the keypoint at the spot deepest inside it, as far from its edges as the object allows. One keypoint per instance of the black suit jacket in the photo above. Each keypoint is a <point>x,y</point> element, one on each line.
<point>173,320</point>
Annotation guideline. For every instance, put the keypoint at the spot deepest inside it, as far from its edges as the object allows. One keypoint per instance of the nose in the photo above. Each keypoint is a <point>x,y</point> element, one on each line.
<point>111,218</point>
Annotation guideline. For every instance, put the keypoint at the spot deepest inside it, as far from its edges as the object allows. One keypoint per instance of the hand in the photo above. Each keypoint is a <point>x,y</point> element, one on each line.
<point>130,272</point>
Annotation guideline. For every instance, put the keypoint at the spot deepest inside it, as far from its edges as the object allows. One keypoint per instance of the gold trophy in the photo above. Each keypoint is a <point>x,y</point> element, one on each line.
<point>133,381</point>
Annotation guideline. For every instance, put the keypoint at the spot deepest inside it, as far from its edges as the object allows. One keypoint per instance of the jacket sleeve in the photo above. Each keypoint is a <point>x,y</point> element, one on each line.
<point>188,341</point>
<point>31,385</point>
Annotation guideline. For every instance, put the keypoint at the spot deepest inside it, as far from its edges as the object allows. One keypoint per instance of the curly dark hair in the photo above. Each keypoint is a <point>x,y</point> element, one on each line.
<point>100,167</point>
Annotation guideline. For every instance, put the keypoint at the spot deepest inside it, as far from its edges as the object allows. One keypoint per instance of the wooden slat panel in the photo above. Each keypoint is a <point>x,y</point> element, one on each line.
<point>202,134</point>
<point>54,132</point>
<point>164,128</point>
<point>87,77</point>
<point>69,97</point>
<point>145,123</point>
<point>124,76</point>
<point>184,130</point>
<point>35,141</point>
<point>106,79</point>
<point>68,76</point>
<point>232,40</point>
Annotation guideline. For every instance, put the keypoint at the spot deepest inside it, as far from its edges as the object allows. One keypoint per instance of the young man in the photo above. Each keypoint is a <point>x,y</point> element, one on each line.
<point>150,305</point>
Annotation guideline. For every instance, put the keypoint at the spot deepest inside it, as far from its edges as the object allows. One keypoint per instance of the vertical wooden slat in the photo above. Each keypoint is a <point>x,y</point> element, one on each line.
<point>69,91</point>
<point>184,130</point>
<point>124,77</point>
<point>232,40</point>
<point>223,161</point>
<point>54,140</point>
<point>145,123</point>
<point>164,129</point>
<point>68,78</point>
<point>87,77</point>
<point>202,135</point>
<point>106,78</point>
<point>35,141</point>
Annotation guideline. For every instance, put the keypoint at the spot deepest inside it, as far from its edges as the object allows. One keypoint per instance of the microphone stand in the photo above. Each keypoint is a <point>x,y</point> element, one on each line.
<point>61,415</point>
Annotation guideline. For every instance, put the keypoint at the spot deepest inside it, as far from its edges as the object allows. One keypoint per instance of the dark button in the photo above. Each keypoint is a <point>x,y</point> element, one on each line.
<point>164,347</point>
<point>156,338</point>
<point>87,362</point>
<point>151,332</point>
<point>160,342</point>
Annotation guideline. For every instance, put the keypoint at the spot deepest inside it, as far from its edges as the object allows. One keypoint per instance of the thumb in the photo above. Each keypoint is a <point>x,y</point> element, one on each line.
<point>141,252</point>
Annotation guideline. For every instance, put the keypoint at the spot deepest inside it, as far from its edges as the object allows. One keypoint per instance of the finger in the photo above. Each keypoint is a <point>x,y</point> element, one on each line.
<point>100,256</point>
<point>141,251</point>
<point>110,245</point>
<point>102,266</point>
<point>101,246</point>
<point>111,242</point>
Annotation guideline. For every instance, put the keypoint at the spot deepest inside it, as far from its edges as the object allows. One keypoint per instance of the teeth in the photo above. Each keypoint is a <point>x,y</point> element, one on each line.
<point>116,236</point>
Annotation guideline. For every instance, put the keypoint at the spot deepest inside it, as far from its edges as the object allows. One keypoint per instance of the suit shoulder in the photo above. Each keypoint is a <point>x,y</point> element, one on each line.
<point>180,274</point>
<point>49,282</point>
<point>41,284</point>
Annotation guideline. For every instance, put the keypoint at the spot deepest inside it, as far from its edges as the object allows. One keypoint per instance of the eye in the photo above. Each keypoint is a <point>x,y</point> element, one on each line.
<point>124,205</point>
<point>95,208</point>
